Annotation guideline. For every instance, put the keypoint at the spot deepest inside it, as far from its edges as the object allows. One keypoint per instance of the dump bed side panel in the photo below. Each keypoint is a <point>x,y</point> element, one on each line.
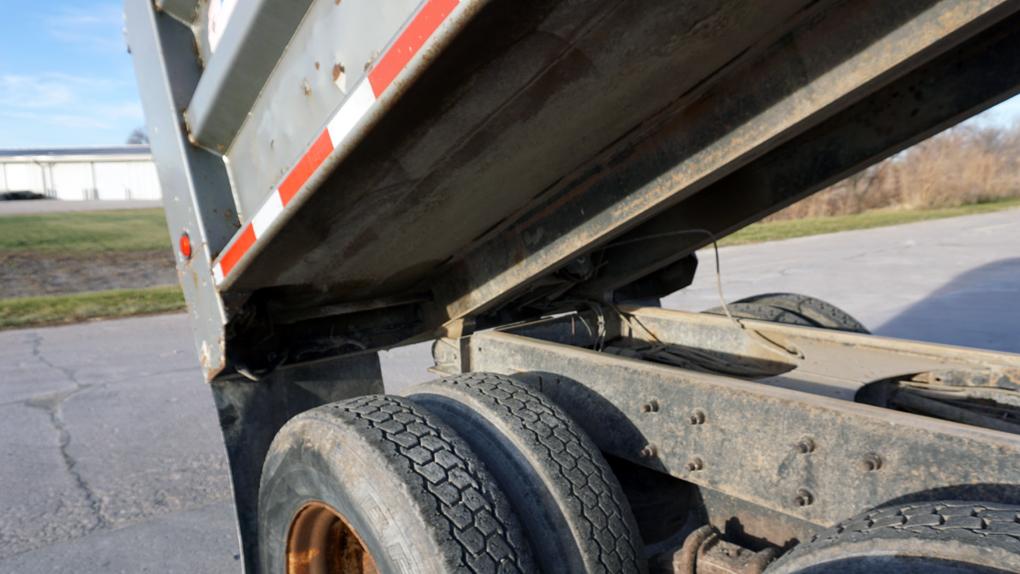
<point>325,61</point>
<point>439,160</point>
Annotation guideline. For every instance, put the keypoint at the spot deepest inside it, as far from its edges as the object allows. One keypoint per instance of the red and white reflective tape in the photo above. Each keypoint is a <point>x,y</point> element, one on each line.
<point>354,108</point>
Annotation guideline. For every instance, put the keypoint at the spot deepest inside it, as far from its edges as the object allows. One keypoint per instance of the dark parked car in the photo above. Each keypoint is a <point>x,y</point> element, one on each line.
<point>18,195</point>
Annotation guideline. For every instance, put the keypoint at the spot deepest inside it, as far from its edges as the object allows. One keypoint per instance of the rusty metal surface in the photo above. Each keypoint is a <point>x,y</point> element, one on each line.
<point>684,560</point>
<point>717,556</point>
<point>322,541</point>
<point>815,458</point>
<point>753,526</point>
<point>705,551</point>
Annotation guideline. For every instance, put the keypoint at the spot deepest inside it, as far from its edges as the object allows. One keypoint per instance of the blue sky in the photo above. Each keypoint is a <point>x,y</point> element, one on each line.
<point>1005,114</point>
<point>66,77</point>
<point>65,74</point>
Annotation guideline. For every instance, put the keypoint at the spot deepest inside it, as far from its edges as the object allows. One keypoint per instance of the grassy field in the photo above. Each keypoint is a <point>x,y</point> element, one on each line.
<point>63,309</point>
<point>145,230</point>
<point>125,230</point>
<point>787,229</point>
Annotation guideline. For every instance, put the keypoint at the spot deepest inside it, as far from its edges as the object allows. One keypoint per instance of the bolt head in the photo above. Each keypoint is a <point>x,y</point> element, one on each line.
<point>871,462</point>
<point>803,497</point>
<point>805,445</point>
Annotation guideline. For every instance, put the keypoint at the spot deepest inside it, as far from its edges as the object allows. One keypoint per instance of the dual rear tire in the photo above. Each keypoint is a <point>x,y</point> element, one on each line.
<point>375,484</point>
<point>483,474</point>
<point>477,473</point>
<point>574,512</point>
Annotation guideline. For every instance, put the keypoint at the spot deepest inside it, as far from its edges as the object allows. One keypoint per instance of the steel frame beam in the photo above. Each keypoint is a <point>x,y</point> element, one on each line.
<point>817,458</point>
<point>824,362</point>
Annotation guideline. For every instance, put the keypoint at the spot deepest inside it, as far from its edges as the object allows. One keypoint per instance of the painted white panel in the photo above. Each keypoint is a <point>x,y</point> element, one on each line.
<point>71,181</point>
<point>25,177</point>
<point>127,180</point>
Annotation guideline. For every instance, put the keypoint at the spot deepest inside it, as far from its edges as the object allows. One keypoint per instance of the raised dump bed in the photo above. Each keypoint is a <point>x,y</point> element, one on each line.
<point>344,177</point>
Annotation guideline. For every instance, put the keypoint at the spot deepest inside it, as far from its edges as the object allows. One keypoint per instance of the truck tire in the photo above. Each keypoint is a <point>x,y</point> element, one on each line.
<point>375,484</point>
<point>820,313</point>
<point>574,512</point>
<point>763,312</point>
<point>923,538</point>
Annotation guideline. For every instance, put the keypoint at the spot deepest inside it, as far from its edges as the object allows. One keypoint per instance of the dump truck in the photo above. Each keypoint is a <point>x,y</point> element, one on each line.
<point>521,182</point>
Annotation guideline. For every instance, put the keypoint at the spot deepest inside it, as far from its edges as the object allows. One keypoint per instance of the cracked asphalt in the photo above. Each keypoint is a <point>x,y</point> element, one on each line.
<point>110,456</point>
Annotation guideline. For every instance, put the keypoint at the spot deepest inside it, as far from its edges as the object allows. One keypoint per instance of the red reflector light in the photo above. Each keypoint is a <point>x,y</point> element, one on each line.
<point>185,245</point>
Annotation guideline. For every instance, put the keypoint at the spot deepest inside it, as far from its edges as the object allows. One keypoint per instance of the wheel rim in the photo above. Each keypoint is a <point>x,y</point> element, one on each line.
<point>321,541</point>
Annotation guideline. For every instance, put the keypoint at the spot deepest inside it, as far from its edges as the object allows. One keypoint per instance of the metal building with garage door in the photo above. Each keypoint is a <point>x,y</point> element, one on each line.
<point>120,172</point>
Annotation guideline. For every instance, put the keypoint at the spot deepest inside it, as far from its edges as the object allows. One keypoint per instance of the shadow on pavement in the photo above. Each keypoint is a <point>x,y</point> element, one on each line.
<point>979,308</point>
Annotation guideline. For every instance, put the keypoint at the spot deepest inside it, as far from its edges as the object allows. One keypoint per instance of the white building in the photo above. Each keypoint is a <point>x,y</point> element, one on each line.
<point>124,172</point>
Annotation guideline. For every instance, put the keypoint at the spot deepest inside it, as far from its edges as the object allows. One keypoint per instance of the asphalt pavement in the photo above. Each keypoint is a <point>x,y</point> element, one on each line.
<point>110,455</point>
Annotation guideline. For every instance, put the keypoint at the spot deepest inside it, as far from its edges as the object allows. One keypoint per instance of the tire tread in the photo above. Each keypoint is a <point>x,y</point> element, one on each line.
<point>481,536</point>
<point>608,530</point>
<point>975,523</point>
<point>820,313</point>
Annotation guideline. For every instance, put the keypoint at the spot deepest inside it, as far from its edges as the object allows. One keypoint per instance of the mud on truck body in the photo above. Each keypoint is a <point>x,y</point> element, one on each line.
<point>521,182</point>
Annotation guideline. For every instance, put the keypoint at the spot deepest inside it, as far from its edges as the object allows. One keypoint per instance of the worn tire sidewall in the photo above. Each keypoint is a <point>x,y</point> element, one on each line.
<point>341,469</point>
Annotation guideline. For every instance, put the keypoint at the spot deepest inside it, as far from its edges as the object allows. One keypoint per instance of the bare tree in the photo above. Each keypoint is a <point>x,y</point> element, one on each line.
<point>963,165</point>
<point>138,136</point>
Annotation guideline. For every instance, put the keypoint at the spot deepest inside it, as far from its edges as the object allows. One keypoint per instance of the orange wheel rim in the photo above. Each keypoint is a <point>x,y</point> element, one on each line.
<point>321,541</point>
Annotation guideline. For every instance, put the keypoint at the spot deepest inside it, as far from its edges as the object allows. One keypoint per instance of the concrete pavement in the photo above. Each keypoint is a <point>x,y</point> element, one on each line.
<point>110,457</point>
<point>953,281</point>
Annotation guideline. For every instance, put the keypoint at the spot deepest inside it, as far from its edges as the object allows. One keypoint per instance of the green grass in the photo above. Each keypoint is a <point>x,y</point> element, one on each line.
<point>775,230</point>
<point>142,230</point>
<point>125,230</point>
<point>62,309</point>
